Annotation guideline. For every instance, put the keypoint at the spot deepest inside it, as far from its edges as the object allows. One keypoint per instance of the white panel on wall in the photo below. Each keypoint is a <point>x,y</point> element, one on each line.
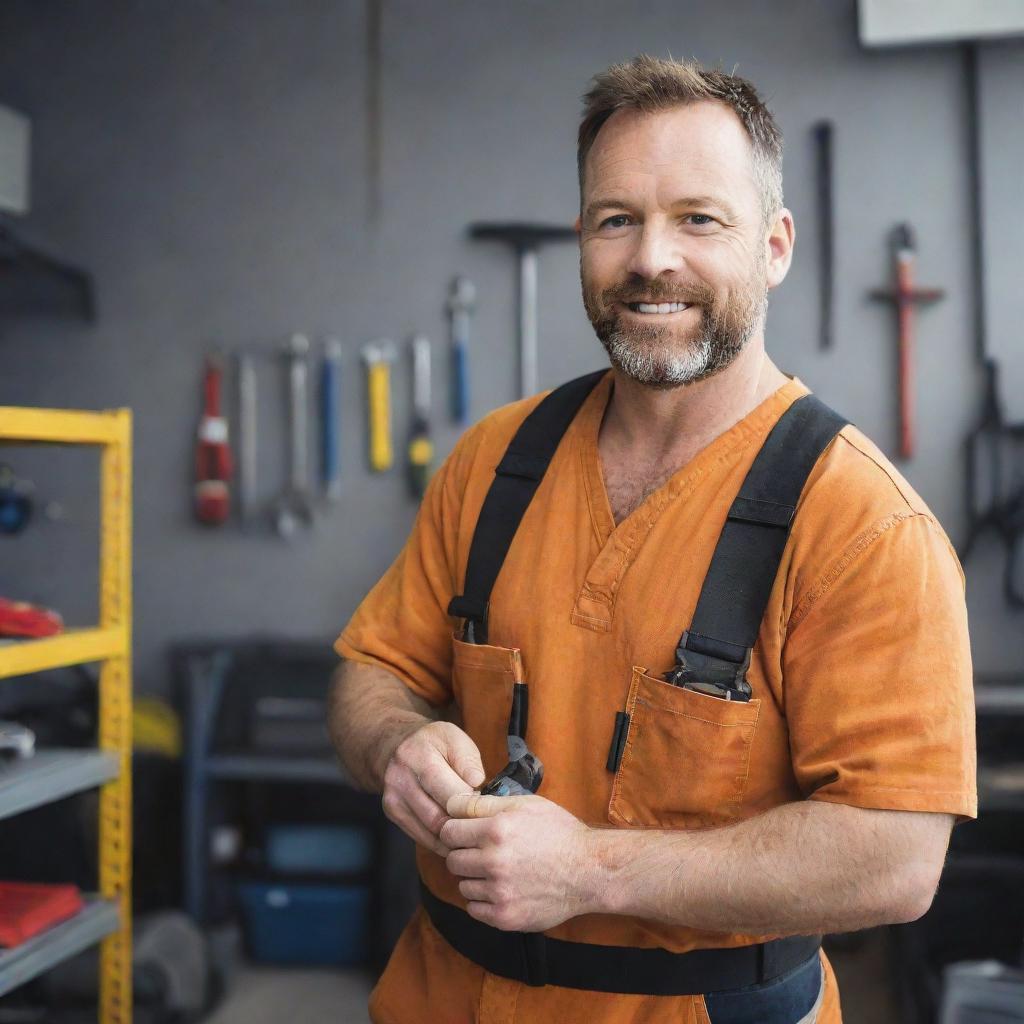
<point>15,132</point>
<point>896,22</point>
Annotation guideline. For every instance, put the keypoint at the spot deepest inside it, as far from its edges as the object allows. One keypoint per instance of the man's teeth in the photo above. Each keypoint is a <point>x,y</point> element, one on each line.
<point>660,307</point>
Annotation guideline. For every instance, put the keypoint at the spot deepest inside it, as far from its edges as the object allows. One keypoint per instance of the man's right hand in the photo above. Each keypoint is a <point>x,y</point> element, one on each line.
<point>430,765</point>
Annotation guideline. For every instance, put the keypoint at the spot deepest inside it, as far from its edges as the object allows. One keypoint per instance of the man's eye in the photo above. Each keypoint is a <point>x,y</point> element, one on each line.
<point>700,219</point>
<point>607,222</point>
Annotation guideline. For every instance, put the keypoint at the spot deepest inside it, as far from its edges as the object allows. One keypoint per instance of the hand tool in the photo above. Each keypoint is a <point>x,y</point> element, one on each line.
<point>16,504</point>
<point>995,485</point>
<point>246,368</point>
<point>520,777</point>
<point>905,297</point>
<point>293,509</point>
<point>330,410</point>
<point>213,455</point>
<point>526,239</point>
<point>823,133</point>
<point>461,303</point>
<point>378,356</point>
<point>421,448</point>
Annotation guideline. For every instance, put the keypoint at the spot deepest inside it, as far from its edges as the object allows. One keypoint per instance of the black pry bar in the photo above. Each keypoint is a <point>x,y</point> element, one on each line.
<point>823,133</point>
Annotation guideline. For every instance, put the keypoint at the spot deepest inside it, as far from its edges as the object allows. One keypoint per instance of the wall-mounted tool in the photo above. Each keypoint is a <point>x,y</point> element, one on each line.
<point>246,369</point>
<point>213,454</point>
<point>823,133</point>
<point>526,239</point>
<point>378,356</point>
<point>16,504</point>
<point>905,297</point>
<point>421,447</point>
<point>995,486</point>
<point>330,422</point>
<point>293,509</point>
<point>461,303</point>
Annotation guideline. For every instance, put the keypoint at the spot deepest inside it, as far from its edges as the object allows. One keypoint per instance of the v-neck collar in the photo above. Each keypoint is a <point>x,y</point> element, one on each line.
<point>617,544</point>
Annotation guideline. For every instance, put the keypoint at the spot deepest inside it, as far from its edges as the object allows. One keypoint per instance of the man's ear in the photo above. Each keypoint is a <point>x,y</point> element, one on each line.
<point>577,226</point>
<point>780,241</point>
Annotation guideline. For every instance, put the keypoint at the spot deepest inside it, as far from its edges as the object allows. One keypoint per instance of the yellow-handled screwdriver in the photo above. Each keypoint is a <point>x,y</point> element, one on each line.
<point>378,356</point>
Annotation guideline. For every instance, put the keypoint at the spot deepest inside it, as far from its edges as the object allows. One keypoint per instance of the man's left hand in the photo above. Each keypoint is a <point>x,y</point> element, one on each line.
<point>523,860</point>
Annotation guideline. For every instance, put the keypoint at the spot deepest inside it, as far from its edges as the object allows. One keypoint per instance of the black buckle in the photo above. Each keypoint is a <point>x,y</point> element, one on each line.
<point>474,630</point>
<point>710,673</point>
<point>533,948</point>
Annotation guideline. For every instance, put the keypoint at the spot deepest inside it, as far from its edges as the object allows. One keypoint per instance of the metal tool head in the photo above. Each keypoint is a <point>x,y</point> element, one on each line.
<point>523,236</point>
<point>462,298</point>
<point>522,775</point>
<point>380,351</point>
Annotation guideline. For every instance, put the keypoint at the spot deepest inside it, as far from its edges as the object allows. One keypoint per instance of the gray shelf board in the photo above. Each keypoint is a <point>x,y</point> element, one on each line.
<point>51,774</point>
<point>269,768</point>
<point>21,963</point>
<point>1006,700</point>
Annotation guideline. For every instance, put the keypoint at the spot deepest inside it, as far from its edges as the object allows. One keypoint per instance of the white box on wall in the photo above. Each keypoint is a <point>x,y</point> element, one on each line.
<point>15,135</point>
<point>903,22</point>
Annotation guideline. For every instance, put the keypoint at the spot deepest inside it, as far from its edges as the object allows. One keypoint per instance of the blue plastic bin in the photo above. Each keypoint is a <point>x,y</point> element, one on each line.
<point>318,849</point>
<point>305,924</point>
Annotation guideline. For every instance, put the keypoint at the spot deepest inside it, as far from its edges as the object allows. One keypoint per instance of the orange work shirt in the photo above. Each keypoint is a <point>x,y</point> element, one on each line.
<point>861,674</point>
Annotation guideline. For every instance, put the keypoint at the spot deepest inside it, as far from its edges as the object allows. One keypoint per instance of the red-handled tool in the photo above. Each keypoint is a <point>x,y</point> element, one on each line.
<point>213,454</point>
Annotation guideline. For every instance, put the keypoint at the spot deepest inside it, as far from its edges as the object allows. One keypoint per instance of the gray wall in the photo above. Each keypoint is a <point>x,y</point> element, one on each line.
<point>206,162</point>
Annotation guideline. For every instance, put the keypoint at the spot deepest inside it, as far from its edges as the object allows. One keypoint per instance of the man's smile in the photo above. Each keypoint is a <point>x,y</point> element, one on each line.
<point>656,308</point>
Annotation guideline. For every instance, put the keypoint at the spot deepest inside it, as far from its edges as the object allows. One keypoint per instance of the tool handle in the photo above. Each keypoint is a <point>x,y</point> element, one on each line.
<point>247,435</point>
<point>329,395</point>
<point>460,381</point>
<point>379,388</point>
<point>421,455</point>
<point>297,375</point>
<point>211,387</point>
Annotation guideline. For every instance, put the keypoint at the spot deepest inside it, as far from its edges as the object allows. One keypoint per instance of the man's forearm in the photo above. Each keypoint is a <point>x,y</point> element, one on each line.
<point>370,712</point>
<point>802,868</point>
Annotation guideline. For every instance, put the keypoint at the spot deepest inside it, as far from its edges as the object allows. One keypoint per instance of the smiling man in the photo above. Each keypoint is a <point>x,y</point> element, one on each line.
<point>728,628</point>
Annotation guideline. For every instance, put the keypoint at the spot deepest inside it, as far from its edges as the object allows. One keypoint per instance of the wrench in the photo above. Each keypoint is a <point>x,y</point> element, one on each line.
<point>293,509</point>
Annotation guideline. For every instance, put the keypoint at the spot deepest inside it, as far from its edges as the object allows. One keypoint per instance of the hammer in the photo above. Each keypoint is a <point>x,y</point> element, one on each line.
<point>526,239</point>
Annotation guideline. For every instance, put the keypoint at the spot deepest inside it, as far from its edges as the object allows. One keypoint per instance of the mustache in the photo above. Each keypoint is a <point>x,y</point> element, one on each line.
<point>693,295</point>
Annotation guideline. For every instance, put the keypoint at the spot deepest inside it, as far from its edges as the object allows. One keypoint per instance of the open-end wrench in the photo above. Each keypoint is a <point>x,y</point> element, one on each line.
<point>293,508</point>
<point>246,437</point>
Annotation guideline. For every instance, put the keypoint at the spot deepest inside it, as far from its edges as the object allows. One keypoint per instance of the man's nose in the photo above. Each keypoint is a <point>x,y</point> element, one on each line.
<point>657,250</point>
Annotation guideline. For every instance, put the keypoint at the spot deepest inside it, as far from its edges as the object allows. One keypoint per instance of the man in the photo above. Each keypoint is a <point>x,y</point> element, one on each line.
<point>712,832</point>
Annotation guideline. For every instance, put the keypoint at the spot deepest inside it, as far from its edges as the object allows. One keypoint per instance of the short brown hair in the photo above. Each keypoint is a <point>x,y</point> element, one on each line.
<point>649,84</point>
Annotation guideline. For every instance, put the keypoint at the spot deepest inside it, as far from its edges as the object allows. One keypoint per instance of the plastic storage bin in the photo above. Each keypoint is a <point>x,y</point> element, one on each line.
<point>318,849</point>
<point>305,924</point>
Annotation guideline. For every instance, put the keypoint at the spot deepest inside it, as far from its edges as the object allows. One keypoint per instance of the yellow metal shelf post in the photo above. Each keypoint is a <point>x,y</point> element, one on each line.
<point>109,644</point>
<point>116,720</point>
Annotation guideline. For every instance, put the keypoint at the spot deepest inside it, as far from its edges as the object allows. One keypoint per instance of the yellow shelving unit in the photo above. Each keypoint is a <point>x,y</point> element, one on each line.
<point>107,918</point>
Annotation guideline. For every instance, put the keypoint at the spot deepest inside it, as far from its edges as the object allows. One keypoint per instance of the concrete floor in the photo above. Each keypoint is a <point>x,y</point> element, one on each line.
<point>270,995</point>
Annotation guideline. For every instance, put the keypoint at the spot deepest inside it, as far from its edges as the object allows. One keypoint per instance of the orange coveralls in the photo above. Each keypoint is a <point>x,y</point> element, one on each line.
<point>861,676</point>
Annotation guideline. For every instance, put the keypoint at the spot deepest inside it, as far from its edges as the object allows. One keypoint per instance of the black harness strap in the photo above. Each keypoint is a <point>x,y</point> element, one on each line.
<point>535,959</point>
<point>516,479</point>
<point>746,559</point>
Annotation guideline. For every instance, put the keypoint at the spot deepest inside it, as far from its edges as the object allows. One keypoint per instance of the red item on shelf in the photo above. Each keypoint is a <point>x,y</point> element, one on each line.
<point>19,618</point>
<point>27,908</point>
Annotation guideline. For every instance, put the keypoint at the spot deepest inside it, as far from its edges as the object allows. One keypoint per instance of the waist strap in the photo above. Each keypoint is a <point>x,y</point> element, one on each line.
<point>535,959</point>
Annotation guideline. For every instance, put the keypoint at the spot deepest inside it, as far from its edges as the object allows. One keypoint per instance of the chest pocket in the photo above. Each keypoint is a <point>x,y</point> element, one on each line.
<point>684,759</point>
<point>483,680</point>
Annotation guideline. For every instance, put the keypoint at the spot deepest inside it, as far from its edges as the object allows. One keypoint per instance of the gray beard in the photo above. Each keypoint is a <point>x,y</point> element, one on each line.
<point>652,355</point>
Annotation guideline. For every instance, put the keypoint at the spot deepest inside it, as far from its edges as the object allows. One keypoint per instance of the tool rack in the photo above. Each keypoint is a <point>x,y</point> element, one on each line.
<point>53,774</point>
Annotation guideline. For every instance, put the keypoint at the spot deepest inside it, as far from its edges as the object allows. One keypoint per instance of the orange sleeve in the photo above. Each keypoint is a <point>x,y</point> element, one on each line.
<point>877,674</point>
<point>402,625</point>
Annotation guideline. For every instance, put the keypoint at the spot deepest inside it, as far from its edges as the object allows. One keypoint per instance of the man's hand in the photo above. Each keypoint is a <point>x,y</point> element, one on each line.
<point>522,860</point>
<point>430,765</point>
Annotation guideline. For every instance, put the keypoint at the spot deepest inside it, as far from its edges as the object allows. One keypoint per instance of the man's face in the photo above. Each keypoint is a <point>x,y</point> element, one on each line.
<point>671,214</point>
